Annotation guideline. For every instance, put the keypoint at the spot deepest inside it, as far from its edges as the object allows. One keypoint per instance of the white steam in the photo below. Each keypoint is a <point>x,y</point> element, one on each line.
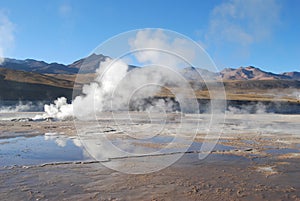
<point>116,88</point>
<point>296,94</point>
<point>22,107</point>
<point>258,108</point>
<point>6,35</point>
<point>60,109</point>
<point>95,96</point>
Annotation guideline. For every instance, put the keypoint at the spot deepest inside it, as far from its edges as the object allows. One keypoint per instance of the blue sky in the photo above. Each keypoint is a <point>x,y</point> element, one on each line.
<point>262,33</point>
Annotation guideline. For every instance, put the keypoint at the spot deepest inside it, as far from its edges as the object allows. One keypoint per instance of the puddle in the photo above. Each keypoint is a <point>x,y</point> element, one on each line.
<point>217,158</point>
<point>282,151</point>
<point>163,144</point>
<point>196,146</point>
<point>54,147</point>
<point>40,149</point>
<point>154,145</point>
<point>250,142</point>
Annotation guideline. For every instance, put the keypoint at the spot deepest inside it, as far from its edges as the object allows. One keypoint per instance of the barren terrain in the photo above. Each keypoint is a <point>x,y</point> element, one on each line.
<point>256,158</point>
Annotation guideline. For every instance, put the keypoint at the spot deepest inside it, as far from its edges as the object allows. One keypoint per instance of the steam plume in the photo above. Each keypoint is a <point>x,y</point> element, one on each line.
<point>116,88</point>
<point>6,35</point>
<point>95,96</point>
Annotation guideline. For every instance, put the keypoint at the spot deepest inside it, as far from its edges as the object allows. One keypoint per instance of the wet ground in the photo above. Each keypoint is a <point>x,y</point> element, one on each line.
<point>257,157</point>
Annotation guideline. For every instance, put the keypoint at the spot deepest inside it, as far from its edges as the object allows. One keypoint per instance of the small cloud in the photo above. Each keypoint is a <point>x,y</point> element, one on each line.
<point>242,22</point>
<point>6,34</point>
<point>162,49</point>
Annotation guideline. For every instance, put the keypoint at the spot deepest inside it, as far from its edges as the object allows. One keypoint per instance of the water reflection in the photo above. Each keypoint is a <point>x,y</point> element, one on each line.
<point>48,148</point>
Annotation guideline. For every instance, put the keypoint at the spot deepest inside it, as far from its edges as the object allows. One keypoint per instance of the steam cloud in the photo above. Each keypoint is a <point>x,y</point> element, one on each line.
<point>22,107</point>
<point>257,108</point>
<point>118,88</point>
<point>95,96</point>
<point>6,34</point>
<point>114,88</point>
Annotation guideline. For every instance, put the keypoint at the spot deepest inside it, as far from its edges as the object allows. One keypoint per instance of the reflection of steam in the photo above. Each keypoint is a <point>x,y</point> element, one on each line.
<point>77,141</point>
<point>60,140</point>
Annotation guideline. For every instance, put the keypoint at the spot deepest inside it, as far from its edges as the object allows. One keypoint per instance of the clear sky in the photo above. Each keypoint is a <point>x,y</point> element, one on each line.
<point>262,33</point>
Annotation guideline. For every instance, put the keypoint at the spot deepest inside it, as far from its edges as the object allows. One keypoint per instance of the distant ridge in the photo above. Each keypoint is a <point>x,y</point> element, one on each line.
<point>31,65</point>
<point>92,62</point>
<point>245,84</point>
<point>33,78</point>
<point>239,74</point>
<point>293,75</point>
<point>250,73</point>
<point>21,85</point>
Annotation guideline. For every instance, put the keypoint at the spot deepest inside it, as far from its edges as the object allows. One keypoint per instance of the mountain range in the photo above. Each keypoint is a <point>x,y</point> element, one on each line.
<point>38,80</point>
<point>91,63</point>
<point>241,73</point>
<point>31,65</point>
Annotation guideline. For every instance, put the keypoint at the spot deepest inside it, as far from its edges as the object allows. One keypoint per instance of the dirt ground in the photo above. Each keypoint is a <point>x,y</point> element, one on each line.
<point>262,163</point>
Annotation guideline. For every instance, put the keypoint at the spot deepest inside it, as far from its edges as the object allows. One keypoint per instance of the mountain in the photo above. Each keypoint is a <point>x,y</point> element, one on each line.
<point>258,85</point>
<point>239,74</point>
<point>31,65</point>
<point>292,75</point>
<point>198,74</point>
<point>88,64</point>
<point>38,80</point>
<point>250,73</point>
<point>34,78</point>
<point>82,66</point>
<point>21,85</point>
<point>91,63</point>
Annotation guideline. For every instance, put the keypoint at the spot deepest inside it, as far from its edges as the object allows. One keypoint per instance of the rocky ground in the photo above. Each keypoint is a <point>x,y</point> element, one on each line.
<point>256,158</point>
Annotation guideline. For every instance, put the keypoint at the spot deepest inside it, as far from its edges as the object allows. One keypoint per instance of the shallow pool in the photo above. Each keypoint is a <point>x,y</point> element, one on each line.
<point>47,148</point>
